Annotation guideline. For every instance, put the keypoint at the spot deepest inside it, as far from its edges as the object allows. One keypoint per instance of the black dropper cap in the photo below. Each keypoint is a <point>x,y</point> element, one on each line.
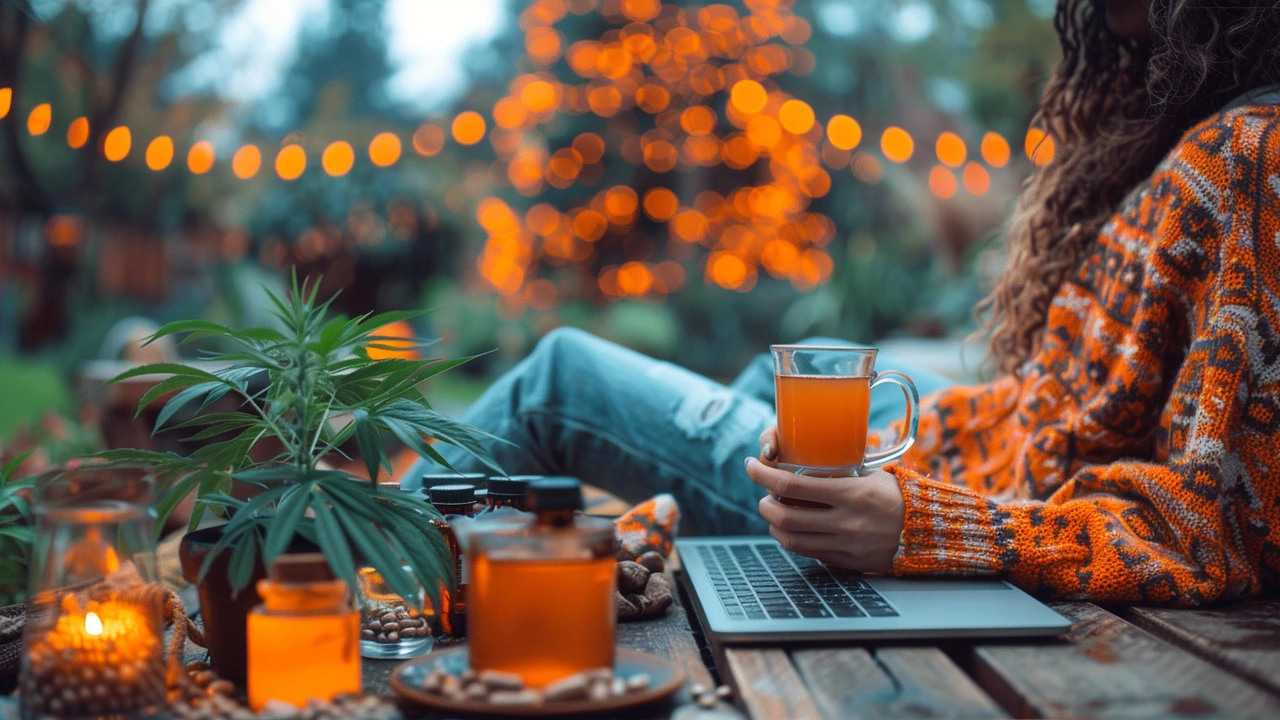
<point>555,493</point>
<point>456,494</point>
<point>514,485</point>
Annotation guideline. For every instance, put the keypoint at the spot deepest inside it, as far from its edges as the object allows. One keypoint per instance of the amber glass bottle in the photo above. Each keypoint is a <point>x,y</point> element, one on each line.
<point>507,492</point>
<point>454,502</point>
<point>542,588</point>
<point>304,639</point>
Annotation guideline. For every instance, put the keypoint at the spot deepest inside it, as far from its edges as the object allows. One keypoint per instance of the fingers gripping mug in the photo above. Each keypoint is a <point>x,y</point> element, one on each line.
<point>824,396</point>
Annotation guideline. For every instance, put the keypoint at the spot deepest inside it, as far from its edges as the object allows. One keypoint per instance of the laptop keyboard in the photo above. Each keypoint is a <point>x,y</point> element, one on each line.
<point>759,581</point>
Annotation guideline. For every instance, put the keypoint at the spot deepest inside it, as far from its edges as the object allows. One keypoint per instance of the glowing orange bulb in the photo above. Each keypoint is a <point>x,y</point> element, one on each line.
<point>338,158</point>
<point>468,128</point>
<point>897,145</point>
<point>200,157</point>
<point>539,96</point>
<point>384,149</point>
<point>78,132</point>
<point>748,96</point>
<point>246,162</point>
<point>951,150</point>
<point>291,162</point>
<point>159,150</point>
<point>995,150</point>
<point>6,101</point>
<point>117,145</point>
<point>975,179</point>
<point>942,182</point>
<point>796,116</point>
<point>844,132</point>
<point>40,118</point>
<point>1039,146</point>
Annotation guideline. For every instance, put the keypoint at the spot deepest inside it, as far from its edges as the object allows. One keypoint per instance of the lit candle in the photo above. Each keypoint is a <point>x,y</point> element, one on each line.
<point>102,657</point>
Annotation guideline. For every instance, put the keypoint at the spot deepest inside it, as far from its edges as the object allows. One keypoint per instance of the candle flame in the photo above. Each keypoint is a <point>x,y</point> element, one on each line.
<point>93,624</point>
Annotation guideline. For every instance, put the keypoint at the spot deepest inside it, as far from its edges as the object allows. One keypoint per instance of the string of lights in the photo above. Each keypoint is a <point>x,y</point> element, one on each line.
<point>705,78</point>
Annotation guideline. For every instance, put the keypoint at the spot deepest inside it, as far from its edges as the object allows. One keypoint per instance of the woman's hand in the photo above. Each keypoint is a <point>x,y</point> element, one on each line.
<point>859,531</point>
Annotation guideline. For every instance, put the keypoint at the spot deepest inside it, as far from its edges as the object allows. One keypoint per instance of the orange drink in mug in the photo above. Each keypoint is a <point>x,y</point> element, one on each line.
<point>824,396</point>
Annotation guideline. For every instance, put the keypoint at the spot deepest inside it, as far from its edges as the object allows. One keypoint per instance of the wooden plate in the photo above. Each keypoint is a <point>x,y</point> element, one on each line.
<point>664,680</point>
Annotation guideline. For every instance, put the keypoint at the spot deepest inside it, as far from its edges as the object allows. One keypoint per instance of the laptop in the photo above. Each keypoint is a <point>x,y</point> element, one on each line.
<point>750,589</point>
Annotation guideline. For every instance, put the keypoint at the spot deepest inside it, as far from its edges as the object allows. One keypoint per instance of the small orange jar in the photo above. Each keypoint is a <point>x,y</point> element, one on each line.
<point>304,639</point>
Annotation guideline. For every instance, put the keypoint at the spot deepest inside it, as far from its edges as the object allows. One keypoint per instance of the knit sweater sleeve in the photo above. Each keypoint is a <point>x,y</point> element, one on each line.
<point>1192,527</point>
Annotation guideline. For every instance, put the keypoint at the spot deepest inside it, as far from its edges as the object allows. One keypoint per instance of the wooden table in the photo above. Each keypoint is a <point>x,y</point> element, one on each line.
<point>1138,662</point>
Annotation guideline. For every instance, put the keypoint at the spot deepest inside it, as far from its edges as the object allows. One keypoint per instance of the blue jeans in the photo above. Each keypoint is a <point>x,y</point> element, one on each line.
<point>635,426</point>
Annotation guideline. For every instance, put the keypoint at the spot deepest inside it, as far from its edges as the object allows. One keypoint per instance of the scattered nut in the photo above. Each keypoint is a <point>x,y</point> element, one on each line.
<point>632,577</point>
<point>638,682</point>
<point>724,692</point>
<point>498,680</point>
<point>653,561</point>
<point>707,700</point>
<point>515,697</point>
<point>573,687</point>
<point>598,689</point>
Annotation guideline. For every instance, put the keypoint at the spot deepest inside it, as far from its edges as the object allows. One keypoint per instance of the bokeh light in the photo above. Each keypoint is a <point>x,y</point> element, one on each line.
<point>796,116</point>
<point>6,101</point>
<point>942,182</point>
<point>748,96</point>
<point>660,204</point>
<point>78,132</point>
<point>1039,146</point>
<point>384,149</point>
<point>291,162</point>
<point>975,179</point>
<point>246,162</point>
<point>951,150</point>
<point>897,145</point>
<point>338,158</point>
<point>159,150</point>
<point>995,150</point>
<point>40,118</point>
<point>428,140</point>
<point>200,157</point>
<point>468,128</point>
<point>844,132</point>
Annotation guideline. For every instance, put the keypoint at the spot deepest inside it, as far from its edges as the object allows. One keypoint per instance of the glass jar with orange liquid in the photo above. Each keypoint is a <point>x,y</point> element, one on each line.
<point>457,504</point>
<point>542,588</point>
<point>304,639</point>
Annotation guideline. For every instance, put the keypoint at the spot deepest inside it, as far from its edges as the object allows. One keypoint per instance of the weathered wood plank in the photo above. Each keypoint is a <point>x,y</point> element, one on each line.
<point>1108,667</point>
<point>906,682</point>
<point>768,685</point>
<point>1243,638</point>
<point>669,637</point>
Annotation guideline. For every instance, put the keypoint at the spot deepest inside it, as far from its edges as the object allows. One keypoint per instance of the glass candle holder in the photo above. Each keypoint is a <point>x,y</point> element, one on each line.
<point>92,644</point>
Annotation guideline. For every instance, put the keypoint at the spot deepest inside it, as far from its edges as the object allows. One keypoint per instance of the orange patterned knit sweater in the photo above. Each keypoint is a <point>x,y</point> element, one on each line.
<point>1138,458</point>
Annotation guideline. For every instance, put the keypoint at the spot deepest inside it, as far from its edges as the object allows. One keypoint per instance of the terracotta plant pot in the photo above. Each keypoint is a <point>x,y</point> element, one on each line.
<point>225,613</point>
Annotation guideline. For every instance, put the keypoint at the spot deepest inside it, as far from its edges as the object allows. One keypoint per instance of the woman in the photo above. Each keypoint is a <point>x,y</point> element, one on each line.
<point>1131,449</point>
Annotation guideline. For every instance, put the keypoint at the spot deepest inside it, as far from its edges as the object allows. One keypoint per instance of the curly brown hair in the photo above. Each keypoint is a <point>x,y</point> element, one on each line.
<point>1114,108</point>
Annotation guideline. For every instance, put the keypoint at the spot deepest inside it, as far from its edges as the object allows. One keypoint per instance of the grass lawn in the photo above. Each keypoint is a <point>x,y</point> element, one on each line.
<point>28,389</point>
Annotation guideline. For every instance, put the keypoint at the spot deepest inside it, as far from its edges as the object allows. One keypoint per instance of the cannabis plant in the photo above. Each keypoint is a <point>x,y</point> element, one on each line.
<point>16,532</point>
<point>322,388</point>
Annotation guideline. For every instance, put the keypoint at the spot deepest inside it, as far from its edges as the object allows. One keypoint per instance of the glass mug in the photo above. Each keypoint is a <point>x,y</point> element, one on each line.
<point>823,396</point>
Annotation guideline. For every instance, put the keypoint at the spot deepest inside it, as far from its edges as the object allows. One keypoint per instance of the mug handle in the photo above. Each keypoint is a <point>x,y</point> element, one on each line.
<point>912,423</point>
